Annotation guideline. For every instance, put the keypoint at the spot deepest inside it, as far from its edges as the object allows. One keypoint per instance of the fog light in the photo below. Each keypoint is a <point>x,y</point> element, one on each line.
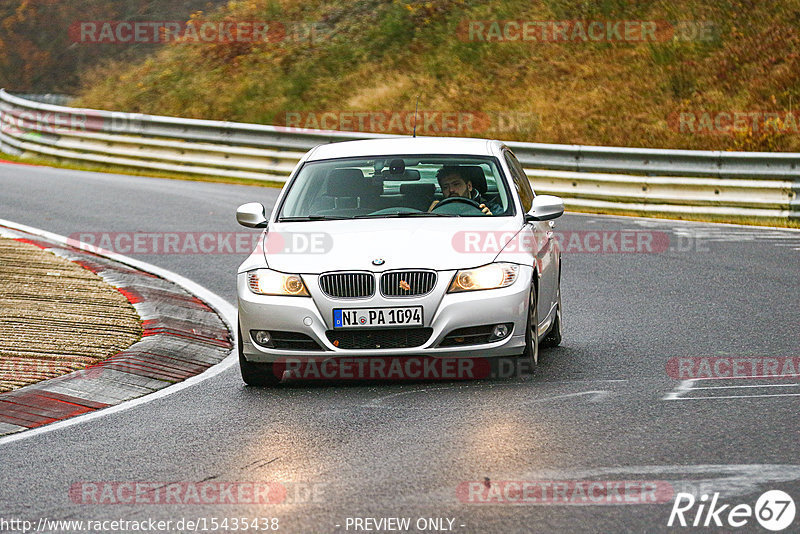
<point>500,331</point>
<point>262,337</point>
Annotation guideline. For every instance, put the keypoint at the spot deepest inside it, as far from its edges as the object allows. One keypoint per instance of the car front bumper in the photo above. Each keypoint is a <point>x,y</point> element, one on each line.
<point>443,312</point>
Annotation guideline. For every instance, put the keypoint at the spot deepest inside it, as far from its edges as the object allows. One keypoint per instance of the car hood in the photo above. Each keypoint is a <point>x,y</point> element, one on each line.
<point>432,243</point>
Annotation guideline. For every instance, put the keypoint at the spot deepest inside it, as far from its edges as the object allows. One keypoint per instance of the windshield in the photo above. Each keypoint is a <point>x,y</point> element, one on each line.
<point>398,186</point>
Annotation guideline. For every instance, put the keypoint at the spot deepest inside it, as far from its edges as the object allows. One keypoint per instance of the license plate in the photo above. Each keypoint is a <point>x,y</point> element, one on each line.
<point>367,317</point>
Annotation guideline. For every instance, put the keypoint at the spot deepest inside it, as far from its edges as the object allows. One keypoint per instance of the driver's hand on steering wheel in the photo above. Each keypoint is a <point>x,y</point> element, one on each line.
<point>483,208</point>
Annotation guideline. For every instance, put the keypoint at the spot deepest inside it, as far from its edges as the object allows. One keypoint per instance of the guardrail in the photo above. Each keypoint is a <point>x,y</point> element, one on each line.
<point>630,180</point>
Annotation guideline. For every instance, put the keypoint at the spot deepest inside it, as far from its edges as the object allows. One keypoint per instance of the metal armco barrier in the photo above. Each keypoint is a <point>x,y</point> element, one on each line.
<point>731,185</point>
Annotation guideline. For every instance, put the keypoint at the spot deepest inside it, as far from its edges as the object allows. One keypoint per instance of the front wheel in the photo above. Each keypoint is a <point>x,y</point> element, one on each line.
<point>553,337</point>
<point>530,356</point>
<point>256,373</point>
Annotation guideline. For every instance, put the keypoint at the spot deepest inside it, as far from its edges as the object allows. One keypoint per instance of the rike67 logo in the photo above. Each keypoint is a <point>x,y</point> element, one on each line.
<point>774,510</point>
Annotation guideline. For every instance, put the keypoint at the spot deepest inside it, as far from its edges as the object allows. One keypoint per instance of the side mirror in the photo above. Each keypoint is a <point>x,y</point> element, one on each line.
<point>544,208</point>
<point>252,215</point>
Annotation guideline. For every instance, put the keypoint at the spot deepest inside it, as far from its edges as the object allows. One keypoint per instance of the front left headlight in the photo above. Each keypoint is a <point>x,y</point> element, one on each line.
<point>269,282</point>
<point>492,276</point>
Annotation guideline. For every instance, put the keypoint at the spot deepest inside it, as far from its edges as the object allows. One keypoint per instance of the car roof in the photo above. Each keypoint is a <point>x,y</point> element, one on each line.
<point>405,145</point>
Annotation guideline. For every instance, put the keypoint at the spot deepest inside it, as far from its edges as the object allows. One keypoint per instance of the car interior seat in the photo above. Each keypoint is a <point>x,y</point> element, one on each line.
<point>417,196</point>
<point>475,174</point>
<point>349,193</point>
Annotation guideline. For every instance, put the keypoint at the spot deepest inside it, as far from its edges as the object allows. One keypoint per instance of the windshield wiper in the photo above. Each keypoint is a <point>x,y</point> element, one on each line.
<point>312,218</point>
<point>377,216</point>
<point>401,215</point>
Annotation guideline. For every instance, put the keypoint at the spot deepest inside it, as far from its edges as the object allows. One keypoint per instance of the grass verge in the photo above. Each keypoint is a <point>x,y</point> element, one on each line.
<point>61,163</point>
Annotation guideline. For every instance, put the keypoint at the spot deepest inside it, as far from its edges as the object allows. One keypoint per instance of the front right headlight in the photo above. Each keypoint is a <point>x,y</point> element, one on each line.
<point>269,282</point>
<point>492,276</point>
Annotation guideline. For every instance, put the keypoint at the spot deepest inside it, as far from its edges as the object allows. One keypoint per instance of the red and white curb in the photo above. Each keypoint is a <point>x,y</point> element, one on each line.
<point>186,333</point>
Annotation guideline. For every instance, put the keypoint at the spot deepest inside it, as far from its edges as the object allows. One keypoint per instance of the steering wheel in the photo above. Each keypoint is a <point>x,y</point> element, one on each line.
<point>459,200</point>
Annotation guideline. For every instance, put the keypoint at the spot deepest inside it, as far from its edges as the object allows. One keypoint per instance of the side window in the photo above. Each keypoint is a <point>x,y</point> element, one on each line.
<point>521,182</point>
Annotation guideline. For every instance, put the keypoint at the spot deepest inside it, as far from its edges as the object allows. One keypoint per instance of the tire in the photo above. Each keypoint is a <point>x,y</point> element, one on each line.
<point>553,337</point>
<point>255,373</point>
<point>530,355</point>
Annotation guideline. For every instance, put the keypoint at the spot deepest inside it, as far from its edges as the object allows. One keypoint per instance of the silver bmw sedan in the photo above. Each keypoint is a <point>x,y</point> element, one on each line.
<point>416,250</point>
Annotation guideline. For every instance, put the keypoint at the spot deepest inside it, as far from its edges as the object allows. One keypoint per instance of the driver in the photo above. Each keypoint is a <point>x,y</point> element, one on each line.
<point>454,184</point>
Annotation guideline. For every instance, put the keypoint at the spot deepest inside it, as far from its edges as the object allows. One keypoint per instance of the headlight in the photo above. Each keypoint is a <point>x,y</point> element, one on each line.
<point>269,282</point>
<point>492,276</point>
